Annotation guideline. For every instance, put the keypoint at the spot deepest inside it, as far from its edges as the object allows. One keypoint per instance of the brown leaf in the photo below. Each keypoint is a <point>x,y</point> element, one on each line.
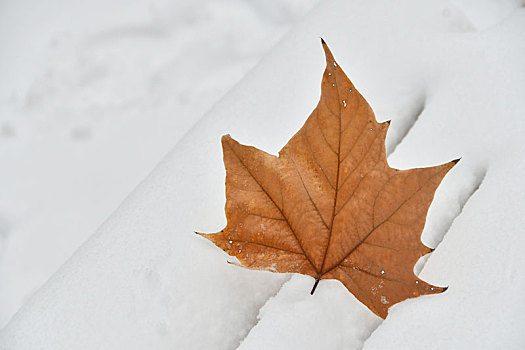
<point>330,206</point>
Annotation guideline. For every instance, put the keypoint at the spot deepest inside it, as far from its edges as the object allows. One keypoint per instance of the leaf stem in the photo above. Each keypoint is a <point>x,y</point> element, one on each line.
<point>315,285</point>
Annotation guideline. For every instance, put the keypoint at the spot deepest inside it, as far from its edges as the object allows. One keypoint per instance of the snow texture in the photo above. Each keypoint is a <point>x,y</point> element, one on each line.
<point>448,75</point>
<point>90,101</point>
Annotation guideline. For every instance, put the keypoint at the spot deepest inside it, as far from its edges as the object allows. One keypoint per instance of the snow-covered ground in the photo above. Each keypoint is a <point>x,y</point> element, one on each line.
<point>448,75</point>
<point>93,95</point>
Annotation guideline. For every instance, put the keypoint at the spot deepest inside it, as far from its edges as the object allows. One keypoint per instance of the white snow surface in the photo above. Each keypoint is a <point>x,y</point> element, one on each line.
<point>448,75</point>
<point>93,95</point>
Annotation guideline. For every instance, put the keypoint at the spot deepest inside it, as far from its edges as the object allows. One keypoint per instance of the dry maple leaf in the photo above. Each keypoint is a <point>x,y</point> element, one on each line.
<point>330,206</point>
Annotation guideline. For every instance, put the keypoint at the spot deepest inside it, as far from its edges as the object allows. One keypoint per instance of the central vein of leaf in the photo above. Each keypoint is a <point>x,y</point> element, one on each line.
<point>331,227</point>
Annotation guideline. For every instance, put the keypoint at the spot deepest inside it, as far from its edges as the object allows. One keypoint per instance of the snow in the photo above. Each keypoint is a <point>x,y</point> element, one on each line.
<point>448,75</point>
<point>330,308</point>
<point>90,102</point>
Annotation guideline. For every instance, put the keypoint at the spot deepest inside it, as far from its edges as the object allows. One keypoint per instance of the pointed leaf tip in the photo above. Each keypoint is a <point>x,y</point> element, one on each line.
<point>328,54</point>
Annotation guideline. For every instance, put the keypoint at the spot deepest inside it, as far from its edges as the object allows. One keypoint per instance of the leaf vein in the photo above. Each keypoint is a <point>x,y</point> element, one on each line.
<point>274,203</point>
